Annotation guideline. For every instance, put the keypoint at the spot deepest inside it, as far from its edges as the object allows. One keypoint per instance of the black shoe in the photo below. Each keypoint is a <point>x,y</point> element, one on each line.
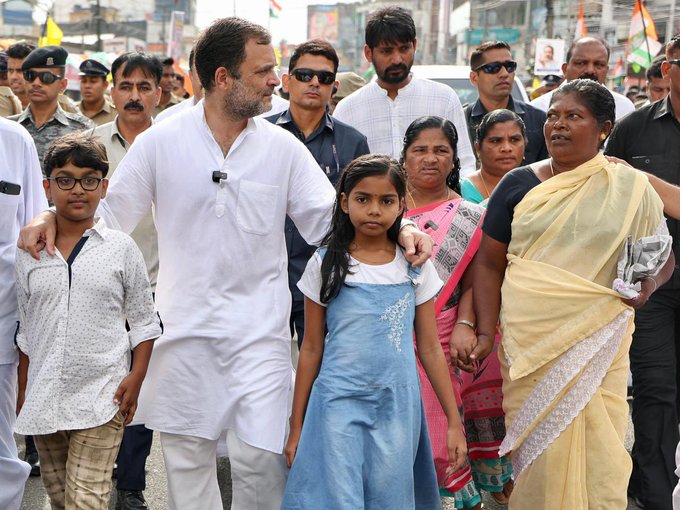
<point>34,461</point>
<point>130,500</point>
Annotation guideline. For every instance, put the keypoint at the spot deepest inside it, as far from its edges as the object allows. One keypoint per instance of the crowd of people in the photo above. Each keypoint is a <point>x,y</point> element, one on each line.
<point>458,326</point>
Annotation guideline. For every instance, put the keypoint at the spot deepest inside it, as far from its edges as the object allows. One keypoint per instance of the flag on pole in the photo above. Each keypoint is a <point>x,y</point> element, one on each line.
<point>51,33</point>
<point>274,9</point>
<point>619,69</point>
<point>581,30</point>
<point>643,43</point>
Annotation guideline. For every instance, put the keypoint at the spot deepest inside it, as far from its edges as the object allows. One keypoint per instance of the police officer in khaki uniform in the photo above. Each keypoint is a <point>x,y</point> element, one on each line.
<point>93,83</point>
<point>16,54</point>
<point>43,70</point>
<point>168,99</point>
<point>9,103</point>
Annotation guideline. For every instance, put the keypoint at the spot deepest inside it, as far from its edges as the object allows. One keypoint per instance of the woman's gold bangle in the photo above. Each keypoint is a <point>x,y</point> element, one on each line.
<point>467,323</point>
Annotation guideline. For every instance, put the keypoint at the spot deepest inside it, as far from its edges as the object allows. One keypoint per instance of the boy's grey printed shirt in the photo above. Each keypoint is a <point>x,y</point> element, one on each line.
<point>73,330</point>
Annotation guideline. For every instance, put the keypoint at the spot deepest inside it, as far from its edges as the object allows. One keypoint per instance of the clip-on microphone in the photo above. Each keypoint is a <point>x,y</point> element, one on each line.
<point>218,176</point>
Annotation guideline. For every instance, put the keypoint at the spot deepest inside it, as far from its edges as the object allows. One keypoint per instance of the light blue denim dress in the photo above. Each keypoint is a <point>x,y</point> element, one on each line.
<point>364,442</point>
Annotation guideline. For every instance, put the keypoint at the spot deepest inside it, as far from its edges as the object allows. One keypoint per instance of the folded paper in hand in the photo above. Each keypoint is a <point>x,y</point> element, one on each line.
<point>640,260</point>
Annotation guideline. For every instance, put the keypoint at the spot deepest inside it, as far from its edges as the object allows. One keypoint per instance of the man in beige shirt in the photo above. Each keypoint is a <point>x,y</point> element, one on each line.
<point>9,103</point>
<point>93,84</point>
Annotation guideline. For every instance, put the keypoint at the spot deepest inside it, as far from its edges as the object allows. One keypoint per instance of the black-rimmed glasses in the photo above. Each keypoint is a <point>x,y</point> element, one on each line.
<point>306,75</point>
<point>675,61</point>
<point>68,183</point>
<point>495,67</point>
<point>45,76</point>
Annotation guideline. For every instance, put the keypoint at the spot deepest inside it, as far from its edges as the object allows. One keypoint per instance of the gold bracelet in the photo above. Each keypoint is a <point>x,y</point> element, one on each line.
<point>467,323</point>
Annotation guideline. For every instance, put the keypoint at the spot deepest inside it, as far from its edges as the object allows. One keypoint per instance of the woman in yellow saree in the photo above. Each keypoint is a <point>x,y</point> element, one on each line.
<point>552,236</point>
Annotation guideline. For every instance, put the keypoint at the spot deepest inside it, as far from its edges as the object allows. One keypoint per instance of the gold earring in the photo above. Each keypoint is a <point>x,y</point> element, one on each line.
<point>602,136</point>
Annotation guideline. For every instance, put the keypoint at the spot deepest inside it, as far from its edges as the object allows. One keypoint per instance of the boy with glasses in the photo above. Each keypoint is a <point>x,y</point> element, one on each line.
<point>43,71</point>
<point>492,71</point>
<point>76,389</point>
<point>309,83</point>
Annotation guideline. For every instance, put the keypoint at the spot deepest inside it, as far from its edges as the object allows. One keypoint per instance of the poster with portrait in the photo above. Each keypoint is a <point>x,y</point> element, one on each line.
<point>549,56</point>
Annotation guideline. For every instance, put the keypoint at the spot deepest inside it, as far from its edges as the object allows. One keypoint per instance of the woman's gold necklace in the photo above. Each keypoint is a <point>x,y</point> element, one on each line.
<point>481,176</point>
<point>415,206</point>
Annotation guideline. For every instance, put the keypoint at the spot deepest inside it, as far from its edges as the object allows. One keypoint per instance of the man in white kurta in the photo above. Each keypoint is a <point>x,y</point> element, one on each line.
<point>20,167</point>
<point>222,184</point>
<point>384,109</point>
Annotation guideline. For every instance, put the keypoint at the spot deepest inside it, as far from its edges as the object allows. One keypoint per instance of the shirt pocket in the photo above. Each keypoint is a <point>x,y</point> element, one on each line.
<point>256,207</point>
<point>661,165</point>
<point>9,206</point>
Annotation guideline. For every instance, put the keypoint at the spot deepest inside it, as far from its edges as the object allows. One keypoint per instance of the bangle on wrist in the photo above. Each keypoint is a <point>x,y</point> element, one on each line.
<point>469,324</point>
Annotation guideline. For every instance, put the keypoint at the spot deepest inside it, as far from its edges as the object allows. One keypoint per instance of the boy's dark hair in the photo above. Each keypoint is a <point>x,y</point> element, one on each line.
<point>19,50</point>
<point>449,130</point>
<point>179,78</point>
<point>80,149</point>
<point>390,25</point>
<point>335,264</point>
<point>168,61</point>
<point>573,45</point>
<point>654,70</point>
<point>223,44</point>
<point>149,64</point>
<point>477,56</point>
<point>315,47</point>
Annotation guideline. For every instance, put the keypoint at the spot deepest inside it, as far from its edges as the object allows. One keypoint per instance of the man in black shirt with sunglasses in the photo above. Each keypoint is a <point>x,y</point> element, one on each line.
<point>492,71</point>
<point>310,82</point>
<point>45,120</point>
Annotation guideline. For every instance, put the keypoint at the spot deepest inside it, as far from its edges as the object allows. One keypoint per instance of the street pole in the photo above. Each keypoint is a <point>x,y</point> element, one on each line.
<point>670,25</point>
<point>98,25</point>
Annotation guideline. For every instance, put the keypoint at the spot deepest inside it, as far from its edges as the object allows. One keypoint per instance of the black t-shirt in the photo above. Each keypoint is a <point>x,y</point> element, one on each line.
<point>510,191</point>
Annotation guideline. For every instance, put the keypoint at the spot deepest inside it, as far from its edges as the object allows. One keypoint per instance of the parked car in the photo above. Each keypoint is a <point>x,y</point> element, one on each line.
<point>458,78</point>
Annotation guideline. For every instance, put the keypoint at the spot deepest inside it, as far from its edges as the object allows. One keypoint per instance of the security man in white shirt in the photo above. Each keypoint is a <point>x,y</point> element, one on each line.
<point>21,198</point>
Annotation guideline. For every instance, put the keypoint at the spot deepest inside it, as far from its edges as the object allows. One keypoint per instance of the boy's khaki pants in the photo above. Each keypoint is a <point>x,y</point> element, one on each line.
<point>76,465</point>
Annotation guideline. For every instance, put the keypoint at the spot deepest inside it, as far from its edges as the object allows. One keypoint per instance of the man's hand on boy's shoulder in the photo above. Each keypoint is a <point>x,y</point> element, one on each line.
<point>127,394</point>
<point>38,234</point>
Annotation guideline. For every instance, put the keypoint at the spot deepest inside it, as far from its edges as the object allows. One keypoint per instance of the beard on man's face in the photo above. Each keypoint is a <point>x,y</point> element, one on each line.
<point>395,74</point>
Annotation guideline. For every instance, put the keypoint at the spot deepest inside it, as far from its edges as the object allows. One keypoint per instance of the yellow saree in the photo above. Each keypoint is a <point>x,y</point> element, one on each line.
<point>566,335</point>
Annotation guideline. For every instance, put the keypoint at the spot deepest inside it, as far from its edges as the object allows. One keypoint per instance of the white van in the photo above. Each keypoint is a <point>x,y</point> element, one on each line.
<point>458,78</point>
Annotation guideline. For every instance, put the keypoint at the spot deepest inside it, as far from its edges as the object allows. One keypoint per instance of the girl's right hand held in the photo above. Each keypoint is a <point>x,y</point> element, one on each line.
<point>457,446</point>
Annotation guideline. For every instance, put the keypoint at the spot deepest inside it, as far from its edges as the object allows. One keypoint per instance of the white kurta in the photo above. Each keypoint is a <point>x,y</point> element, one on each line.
<point>223,361</point>
<point>384,121</point>
<point>20,166</point>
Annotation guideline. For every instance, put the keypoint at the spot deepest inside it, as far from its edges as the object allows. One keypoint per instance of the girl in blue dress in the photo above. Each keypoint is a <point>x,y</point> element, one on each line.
<point>364,443</point>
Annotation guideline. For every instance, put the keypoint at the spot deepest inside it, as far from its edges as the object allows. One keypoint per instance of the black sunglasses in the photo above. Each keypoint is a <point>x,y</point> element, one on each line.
<point>495,67</point>
<point>307,75</point>
<point>68,183</point>
<point>675,61</point>
<point>45,76</point>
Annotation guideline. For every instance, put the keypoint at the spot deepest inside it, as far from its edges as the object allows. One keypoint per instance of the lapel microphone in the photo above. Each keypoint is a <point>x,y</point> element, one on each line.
<point>218,176</point>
